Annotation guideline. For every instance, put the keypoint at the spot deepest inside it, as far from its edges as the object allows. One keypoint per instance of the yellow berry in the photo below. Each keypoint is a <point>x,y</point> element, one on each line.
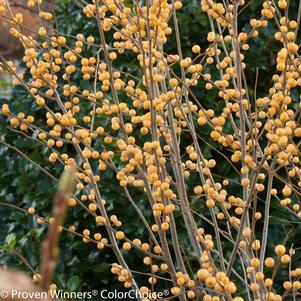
<point>119,235</point>
<point>269,262</point>
<point>31,210</point>
<point>285,259</point>
<point>196,49</point>
<point>203,274</point>
<point>280,250</point>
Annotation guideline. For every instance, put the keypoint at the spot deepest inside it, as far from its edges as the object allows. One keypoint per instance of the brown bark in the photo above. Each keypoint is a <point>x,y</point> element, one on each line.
<point>10,47</point>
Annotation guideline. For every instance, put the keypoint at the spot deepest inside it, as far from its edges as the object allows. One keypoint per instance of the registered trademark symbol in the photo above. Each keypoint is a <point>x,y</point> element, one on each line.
<point>94,292</point>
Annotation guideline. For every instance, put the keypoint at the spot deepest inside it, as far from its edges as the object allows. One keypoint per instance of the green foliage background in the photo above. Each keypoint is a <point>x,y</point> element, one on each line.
<point>83,266</point>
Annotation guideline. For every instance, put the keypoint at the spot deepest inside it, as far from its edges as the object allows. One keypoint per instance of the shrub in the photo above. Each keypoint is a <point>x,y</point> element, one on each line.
<point>203,156</point>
